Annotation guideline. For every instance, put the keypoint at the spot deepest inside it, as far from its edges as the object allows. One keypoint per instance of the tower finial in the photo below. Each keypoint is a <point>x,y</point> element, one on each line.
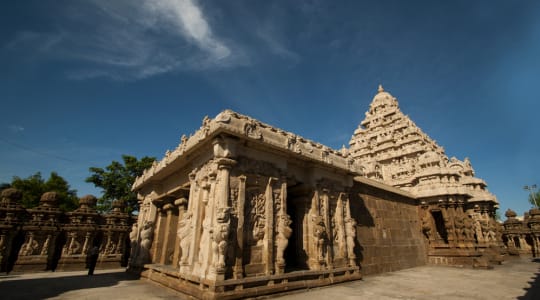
<point>381,89</point>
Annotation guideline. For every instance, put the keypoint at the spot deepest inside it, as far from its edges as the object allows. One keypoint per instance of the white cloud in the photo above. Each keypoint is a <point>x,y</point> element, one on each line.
<point>191,22</point>
<point>15,128</point>
<point>128,40</point>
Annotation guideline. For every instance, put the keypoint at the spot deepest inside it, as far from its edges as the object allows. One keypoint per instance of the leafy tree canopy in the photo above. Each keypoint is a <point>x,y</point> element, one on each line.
<point>34,186</point>
<point>116,181</point>
<point>534,199</point>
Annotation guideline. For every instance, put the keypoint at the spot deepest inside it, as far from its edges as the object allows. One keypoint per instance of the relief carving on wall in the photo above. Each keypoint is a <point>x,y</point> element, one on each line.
<point>147,233</point>
<point>252,130</point>
<point>257,217</point>
<point>284,232</point>
<point>321,237</point>
<point>220,237</point>
<point>185,234</point>
<point>30,247</point>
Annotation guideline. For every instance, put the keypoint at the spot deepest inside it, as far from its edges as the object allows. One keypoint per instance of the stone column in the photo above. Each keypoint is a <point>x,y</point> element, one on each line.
<point>155,252</point>
<point>284,230</point>
<point>224,167</point>
<point>318,233</point>
<point>168,208</point>
<point>449,223</point>
<point>340,223</point>
<point>350,233</point>
<point>181,204</point>
<point>328,227</point>
<point>222,220</point>
<point>268,254</point>
<point>238,267</point>
<point>194,209</point>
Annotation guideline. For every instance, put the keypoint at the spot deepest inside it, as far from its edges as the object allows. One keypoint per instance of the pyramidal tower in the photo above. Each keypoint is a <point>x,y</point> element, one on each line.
<point>392,149</point>
<point>389,147</point>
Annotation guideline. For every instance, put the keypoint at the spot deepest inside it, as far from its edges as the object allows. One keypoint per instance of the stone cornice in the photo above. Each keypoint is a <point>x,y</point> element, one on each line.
<point>235,124</point>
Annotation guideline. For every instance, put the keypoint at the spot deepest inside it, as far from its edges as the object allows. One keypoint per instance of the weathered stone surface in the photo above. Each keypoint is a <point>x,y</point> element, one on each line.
<point>522,237</point>
<point>45,238</point>
<point>241,208</point>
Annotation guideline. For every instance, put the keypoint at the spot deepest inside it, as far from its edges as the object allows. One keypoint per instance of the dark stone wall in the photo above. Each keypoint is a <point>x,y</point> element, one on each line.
<point>388,232</point>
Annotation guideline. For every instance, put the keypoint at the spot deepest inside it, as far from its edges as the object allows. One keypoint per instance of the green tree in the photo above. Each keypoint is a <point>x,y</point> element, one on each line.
<point>34,186</point>
<point>534,199</point>
<point>116,181</point>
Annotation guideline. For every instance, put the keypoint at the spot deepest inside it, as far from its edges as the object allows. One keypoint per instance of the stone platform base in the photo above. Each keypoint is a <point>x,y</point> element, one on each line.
<point>459,258</point>
<point>249,286</point>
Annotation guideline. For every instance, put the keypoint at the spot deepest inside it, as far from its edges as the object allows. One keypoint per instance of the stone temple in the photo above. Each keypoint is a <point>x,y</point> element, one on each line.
<point>243,209</point>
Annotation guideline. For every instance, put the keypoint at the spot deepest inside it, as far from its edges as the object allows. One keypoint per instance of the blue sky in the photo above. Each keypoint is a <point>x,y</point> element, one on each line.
<point>83,82</point>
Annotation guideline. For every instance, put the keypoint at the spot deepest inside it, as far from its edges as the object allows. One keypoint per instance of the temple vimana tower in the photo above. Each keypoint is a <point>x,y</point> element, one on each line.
<point>241,208</point>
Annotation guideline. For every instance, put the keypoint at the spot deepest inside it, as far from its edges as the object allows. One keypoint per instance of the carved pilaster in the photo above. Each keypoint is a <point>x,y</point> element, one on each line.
<point>181,205</point>
<point>284,231</point>
<point>168,208</point>
<point>350,232</point>
<point>340,224</point>
<point>238,268</point>
<point>268,253</point>
<point>325,213</point>
<point>194,208</point>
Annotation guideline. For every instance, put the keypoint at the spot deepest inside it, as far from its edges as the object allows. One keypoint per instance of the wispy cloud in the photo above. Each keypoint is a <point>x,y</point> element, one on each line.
<point>128,40</point>
<point>189,21</point>
<point>15,128</point>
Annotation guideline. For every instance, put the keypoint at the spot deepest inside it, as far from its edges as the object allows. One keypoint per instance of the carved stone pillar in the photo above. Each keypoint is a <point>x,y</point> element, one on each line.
<point>194,212</point>
<point>181,204</point>
<point>164,259</point>
<point>340,223</point>
<point>325,203</point>
<point>222,221</point>
<point>157,242</point>
<point>318,234</point>
<point>350,232</point>
<point>268,254</point>
<point>283,229</point>
<point>238,267</point>
<point>450,223</point>
<point>224,167</point>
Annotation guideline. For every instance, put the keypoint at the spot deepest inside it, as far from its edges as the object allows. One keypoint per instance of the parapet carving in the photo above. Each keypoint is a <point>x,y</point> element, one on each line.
<point>236,124</point>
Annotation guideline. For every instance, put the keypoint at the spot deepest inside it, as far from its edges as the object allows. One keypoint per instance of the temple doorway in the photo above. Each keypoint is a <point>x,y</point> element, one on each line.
<point>439,224</point>
<point>295,254</point>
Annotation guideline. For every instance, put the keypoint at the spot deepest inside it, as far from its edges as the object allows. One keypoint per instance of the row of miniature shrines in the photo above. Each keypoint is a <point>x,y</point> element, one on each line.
<point>45,238</point>
<point>522,236</point>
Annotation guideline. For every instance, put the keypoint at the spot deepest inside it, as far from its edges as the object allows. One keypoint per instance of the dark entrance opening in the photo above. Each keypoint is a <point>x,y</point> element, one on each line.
<point>517,243</point>
<point>295,255</point>
<point>439,224</point>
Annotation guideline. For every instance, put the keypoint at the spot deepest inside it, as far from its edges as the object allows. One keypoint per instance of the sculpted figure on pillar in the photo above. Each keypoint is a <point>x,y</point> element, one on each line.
<point>460,227</point>
<point>321,237</point>
<point>491,229</point>
<point>185,233</point>
<point>350,230</point>
<point>147,234</point>
<point>468,229</point>
<point>478,231</point>
<point>284,232</point>
<point>30,247</point>
<point>133,238</point>
<point>220,237</point>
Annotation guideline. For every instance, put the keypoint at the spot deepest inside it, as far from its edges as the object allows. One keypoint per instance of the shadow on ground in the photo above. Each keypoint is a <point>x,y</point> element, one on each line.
<point>42,288</point>
<point>533,292</point>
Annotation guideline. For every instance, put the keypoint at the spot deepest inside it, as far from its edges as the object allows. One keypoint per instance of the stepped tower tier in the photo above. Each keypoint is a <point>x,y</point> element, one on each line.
<point>457,209</point>
<point>390,148</point>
